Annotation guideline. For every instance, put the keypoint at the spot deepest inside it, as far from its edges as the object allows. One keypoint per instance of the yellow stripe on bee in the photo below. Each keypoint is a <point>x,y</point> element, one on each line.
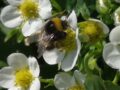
<point>58,23</point>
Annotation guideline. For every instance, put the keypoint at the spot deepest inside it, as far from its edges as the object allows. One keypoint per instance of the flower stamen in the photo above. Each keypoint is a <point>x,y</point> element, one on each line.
<point>69,42</point>
<point>29,9</point>
<point>92,29</point>
<point>23,78</point>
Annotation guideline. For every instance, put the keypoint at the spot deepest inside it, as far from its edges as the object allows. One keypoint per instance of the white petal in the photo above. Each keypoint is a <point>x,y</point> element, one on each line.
<point>35,85</point>
<point>7,70</point>
<point>10,17</point>
<point>34,66</point>
<point>15,88</point>
<point>62,81</point>
<point>114,61</point>
<point>53,56</point>
<point>111,55</point>
<point>17,60</point>
<point>14,2</point>
<point>70,59</point>
<point>45,9</point>
<point>118,1</point>
<point>7,77</point>
<point>117,16</point>
<point>103,26</point>
<point>108,48</point>
<point>31,27</point>
<point>45,13</point>
<point>79,77</point>
<point>72,20</point>
<point>115,35</point>
<point>45,3</point>
<point>31,39</point>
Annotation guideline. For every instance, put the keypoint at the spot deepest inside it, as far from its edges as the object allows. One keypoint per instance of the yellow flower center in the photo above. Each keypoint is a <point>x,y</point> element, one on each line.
<point>92,29</point>
<point>76,87</point>
<point>29,9</point>
<point>23,78</point>
<point>69,43</point>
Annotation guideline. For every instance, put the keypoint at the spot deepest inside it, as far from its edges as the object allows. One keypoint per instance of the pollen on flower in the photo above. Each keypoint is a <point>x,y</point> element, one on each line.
<point>77,87</point>
<point>23,78</point>
<point>69,42</point>
<point>92,29</point>
<point>29,9</point>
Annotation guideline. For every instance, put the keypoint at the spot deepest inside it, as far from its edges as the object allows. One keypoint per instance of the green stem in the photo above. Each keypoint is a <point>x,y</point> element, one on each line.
<point>49,82</point>
<point>86,59</point>
<point>46,80</point>
<point>116,78</point>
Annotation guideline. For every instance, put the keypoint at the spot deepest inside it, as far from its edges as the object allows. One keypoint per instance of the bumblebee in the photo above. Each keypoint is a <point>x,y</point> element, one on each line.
<point>52,32</point>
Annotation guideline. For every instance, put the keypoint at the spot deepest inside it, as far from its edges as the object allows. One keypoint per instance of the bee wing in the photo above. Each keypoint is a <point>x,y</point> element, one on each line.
<point>40,49</point>
<point>35,36</point>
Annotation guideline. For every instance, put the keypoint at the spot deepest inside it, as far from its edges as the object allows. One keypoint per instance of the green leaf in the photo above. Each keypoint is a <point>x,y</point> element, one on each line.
<point>108,19</point>
<point>56,5</point>
<point>81,8</point>
<point>70,4</point>
<point>62,3</point>
<point>4,29</point>
<point>10,34</point>
<point>2,63</point>
<point>20,38</point>
<point>110,86</point>
<point>94,82</point>
<point>102,6</point>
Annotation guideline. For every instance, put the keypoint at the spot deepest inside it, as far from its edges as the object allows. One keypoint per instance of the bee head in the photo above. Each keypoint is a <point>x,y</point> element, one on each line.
<point>58,23</point>
<point>55,24</point>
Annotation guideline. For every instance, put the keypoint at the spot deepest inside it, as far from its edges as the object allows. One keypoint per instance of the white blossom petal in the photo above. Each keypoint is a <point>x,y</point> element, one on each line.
<point>45,9</point>
<point>108,48</point>
<point>31,27</point>
<point>117,16</point>
<point>6,77</point>
<point>114,61</point>
<point>45,13</point>
<point>118,1</point>
<point>10,17</point>
<point>79,77</point>
<point>7,70</point>
<point>115,35</point>
<point>17,60</point>
<point>53,56</point>
<point>72,20</point>
<point>15,88</point>
<point>103,26</point>
<point>111,55</point>
<point>31,39</point>
<point>45,3</point>
<point>35,85</point>
<point>63,81</point>
<point>70,59</point>
<point>14,2</point>
<point>34,66</point>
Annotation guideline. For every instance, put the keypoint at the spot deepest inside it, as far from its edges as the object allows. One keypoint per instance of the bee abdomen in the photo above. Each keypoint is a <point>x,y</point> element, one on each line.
<point>59,36</point>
